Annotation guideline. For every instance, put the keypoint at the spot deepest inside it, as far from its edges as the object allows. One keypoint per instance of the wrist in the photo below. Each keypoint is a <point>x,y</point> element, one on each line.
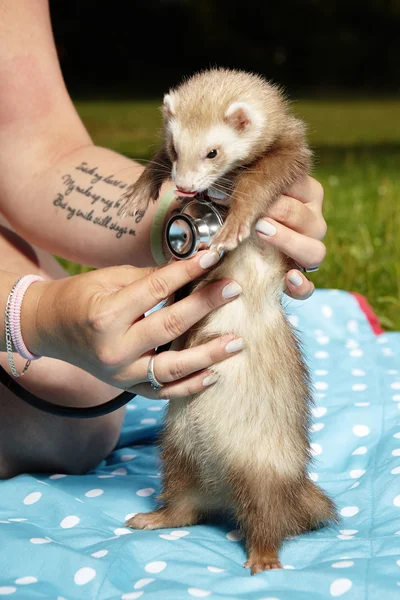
<point>37,318</point>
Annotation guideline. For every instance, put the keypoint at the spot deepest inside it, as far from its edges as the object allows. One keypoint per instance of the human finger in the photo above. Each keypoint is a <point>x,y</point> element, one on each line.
<point>308,190</point>
<point>173,365</point>
<point>181,388</point>
<point>298,286</point>
<point>305,251</point>
<point>298,216</point>
<point>171,322</point>
<point>138,297</point>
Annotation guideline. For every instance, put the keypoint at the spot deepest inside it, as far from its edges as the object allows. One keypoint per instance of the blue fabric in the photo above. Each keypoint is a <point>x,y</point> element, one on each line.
<point>63,536</point>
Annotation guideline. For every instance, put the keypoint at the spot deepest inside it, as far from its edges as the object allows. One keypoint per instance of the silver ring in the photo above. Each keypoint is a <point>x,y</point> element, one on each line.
<point>155,384</point>
<point>307,270</point>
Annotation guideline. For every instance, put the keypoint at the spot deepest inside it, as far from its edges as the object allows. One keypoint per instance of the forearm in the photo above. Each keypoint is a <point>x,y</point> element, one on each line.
<point>71,210</point>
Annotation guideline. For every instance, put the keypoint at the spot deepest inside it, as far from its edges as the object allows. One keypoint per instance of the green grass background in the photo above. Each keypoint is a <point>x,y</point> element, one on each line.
<point>357,159</point>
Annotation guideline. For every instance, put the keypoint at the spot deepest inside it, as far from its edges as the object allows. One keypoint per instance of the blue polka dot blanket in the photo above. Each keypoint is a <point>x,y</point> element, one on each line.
<point>63,537</point>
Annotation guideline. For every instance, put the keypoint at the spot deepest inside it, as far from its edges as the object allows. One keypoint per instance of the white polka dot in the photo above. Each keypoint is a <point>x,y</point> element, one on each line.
<point>395,471</point>
<point>316,449</point>
<point>361,430</point>
<point>321,385</point>
<point>179,533</point>
<point>397,435</point>
<point>340,587</point>
<point>395,385</point>
<point>396,398</point>
<point>7,589</point>
<point>19,520</point>
<point>131,406</point>
<point>349,511</point>
<point>356,473</point>
<point>359,387</point>
<point>343,564</point>
<point>40,541</point>
<point>352,326</point>
<point>122,531</point>
<point>234,535</point>
<point>155,408</point>
<point>142,583</point>
<point>326,311</point>
<point>167,536</point>
<point>145,492</point>
<point>348,532</point>
<point>357,372</point>
<point>357,353</point>
<point>216,570</point>
<point>321,372</point>
<point>288,567</point>
<point>155,567</point>
<point>382,340</point>
<point>105,476</point>
<point>396,452</point>
<point>387,352</point>
<point>120,471</point>
<point>319,411</point>
<point>396,501</point>
<point>131,595</point>
<point>57,476</point>
<point>345,537</point>
<point>198,593</point>
<point>321,354</point>
<point>323,340</point>
<point>32,498</point>
<point>148,421</point>
<point>84,575</point>
<point>100,553</point>
<point>317,427</point>
<point>129,516</point>
<point>26,580</point>
<point>356,484</point>
<point>127,457</point>
<point>313,476</point>
<point>360,450</point>
<point>361,403</point>
<point>352,344</point>
<point>69,522</point>
<point>94,493</point>
<point>294,320</point>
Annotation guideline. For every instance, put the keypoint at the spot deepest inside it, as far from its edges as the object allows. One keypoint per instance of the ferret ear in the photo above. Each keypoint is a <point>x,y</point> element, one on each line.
<point>240,116</point>
<point>169,105</point>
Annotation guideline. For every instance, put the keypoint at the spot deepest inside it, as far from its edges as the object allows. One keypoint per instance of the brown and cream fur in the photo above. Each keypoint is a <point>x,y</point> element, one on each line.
<point>242,446</point>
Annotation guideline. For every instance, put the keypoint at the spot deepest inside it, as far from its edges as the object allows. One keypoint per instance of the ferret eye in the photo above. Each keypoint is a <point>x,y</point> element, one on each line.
<point>212,154</point>
<point>174,152</point>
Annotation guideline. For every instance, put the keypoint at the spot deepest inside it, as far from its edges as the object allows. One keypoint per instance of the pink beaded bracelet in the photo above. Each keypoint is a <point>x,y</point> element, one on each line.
<point>13,322</point>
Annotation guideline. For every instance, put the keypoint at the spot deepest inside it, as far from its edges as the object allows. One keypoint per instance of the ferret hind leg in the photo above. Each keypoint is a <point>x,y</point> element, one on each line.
<point>180,496</point>
<point>270,508</point>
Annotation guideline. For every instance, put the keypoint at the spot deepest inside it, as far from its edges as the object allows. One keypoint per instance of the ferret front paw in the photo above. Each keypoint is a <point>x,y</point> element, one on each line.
<point>262,562</point>
<point>231,234</point>
<point>143,521</point>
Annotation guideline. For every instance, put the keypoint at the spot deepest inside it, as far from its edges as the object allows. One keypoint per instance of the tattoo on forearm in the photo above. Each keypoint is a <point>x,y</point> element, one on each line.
<point>99,209</point>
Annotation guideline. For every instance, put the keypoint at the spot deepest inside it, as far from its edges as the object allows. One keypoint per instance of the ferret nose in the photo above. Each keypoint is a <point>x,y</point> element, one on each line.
<point>185,188</point>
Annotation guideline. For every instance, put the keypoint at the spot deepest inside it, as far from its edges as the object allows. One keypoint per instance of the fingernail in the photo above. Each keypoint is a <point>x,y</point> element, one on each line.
<point>265,227</point>
<point>209,259</point>
<point>231,290</point>
<point>210,379</point>
<point>235,345</point>
<point>295,278</point>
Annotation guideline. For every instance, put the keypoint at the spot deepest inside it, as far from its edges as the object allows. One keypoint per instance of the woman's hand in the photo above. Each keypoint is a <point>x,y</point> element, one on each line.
<point>295,225</point>
<point>95,321</point>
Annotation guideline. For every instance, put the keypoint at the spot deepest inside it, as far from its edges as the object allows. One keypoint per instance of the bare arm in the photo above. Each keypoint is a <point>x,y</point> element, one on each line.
<point>57,189</point>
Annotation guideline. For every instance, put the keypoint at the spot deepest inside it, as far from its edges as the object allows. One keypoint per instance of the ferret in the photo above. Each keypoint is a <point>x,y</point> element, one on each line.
<point>241,446</point>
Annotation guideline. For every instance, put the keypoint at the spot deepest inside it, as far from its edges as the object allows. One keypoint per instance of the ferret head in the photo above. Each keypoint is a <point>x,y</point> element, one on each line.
<point>205,142</point>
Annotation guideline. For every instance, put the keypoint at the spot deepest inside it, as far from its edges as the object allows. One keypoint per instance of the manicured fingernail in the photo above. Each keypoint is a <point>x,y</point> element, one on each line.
<point>295,278</point>
<point>265,227</point>
<point>231,290</point>
<point>235,345</point>
<point>210,379</point>
<point>209,259</point>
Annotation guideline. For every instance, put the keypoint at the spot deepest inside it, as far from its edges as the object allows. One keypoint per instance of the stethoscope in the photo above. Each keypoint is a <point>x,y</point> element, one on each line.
<point>186,233</point>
